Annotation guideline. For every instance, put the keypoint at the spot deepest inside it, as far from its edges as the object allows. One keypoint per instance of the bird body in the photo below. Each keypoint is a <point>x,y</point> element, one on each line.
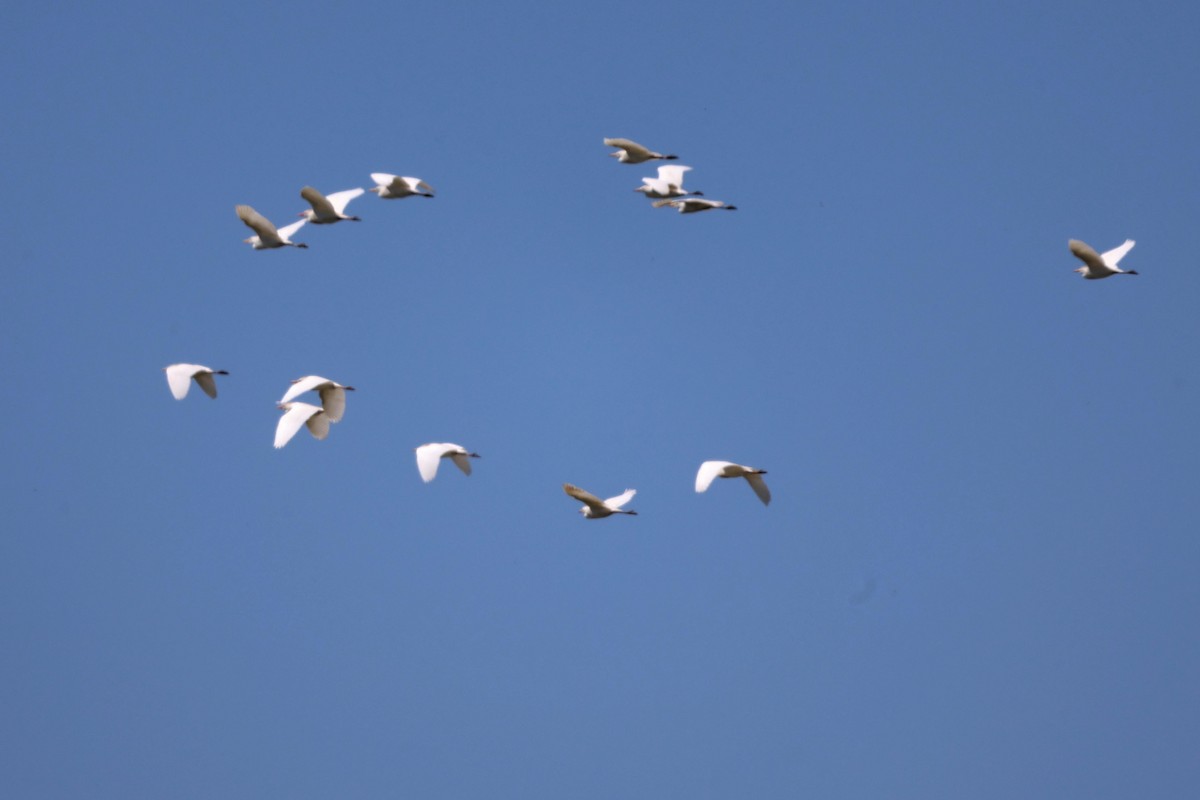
<point>180,376</point>
<point>1098,266</point>
<point>296,415</point>
<point>327,209</point>
<point>393,187</point>
<point>268,237</point>
<point>669,183</point>
<point>595,508</point>
<point>690,205</point>
<point>333,394</point>
<point>711,470</point>
<point>429,456</point>
<point>630,152</point>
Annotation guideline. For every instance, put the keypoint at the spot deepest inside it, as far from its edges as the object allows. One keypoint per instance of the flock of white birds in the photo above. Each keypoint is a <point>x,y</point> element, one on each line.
<point>666,189</point>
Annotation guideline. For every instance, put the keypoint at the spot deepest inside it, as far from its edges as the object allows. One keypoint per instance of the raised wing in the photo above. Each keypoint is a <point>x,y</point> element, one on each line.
<point>667,202</point>
<point>339,200</point>
<point>207,383</point>
<point>318,424</point>
<point>295,415</point>
<point>179,378</point>
<point>1087,255</point>
<point>428,458</point>
<point>259,224</point>
<point>673,175</point>
<point>301,385</point>
<point>285,233</point>
<point>707,472</point>
<point>629,146</point>
<point>585,497</point>
<point>760,487</point>
<point>321,204</point>
<point>621,499</point>
<point>333,400</point>
<point>462,461</point>
<point>1114,256</point>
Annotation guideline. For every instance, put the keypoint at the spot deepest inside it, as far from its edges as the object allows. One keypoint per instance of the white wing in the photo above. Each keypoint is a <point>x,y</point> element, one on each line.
<point>462,461</point>
<point>1114,256</point>
<point>318,424</point>
<point>205,381</point>
<point>631,147</point>
<point>667,202</point>
<point>322,205</point>
<point>296,414</point>
<point>333,400</point>
<point>179,378</point>
<point>1087,255</point>
<point>285,233</point>
<point>760,487</point>
<point>707,472</point>
<point>302,385</point>
<point>585,497</point>
<point>428,458</point>
<point>621,499</point>
<point>339,200</point>
<point>259,224</point>
<point>673,175</point>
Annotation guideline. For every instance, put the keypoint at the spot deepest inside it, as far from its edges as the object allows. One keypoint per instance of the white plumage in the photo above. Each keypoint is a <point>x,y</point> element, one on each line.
<point>392,187</point>
<point>429,456</point>
<point>668,184</point>
<point>690,205</point>
<point>594,507</point>
<point>333,394</point>
<point>180,376</point>
<point>327,209</point>
<point>711,470</point>
<point>267,236</point>
<point>1098,266</point>
<point>630,152</point>
<point>297,414</point>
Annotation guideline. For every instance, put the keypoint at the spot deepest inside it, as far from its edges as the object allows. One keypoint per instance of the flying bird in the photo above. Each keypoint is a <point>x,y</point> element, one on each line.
<point>429,456</point>
<point>690,205</point>
<point>333,394</point>
<point>269,237</point>
<point>298,414</point>
<point>179,378</point>
<point>393,187</point>
<point>594,507</point>
<point>669,183</point>
<point>1098,266</point>
<point>630,152</point>
<point>328,209</point>
<point>727,469</point>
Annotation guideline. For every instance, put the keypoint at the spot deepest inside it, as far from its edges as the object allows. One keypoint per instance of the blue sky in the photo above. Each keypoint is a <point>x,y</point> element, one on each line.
<point>976,579</point>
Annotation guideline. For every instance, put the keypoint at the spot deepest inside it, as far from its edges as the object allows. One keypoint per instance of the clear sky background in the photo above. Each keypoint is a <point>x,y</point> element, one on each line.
<point>978,578</point>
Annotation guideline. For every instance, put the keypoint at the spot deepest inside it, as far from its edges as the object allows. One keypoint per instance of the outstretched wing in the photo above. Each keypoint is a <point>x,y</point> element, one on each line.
<point>302,385</point>
<point>461,461</point>
<point>295,415</point>
<point>585,497</point>
<point>621,499</point>
<point>423,187</point>
<point>318,424</point>
<point>179,379</point>
<point>259,224</point>
<point>1087,255</point>
<point>707,472</point>
<point>760,487</point>
<point>205,381</point>
<point>333,400</point>
<point>428,458</point>
<point>339,200</point>
<point>667,202</point>
<point>321,204</point>
<point>285,233</point>
<point>673,175</point>
<point>629,146</point>
<point>1114,256</point>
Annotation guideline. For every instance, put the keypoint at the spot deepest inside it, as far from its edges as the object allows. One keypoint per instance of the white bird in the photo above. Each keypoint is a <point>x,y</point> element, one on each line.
<point>429,456</point>
<point>669,183</point>
<point>630,152</point>
<point>328,208</point>
<point>269,237</point>
<point>690,205</point>
<point>594,507</point>
<point>333,394</point>
<point>179,378</point>
<point>298,414</point>
<point>1098,266</point>
<point>727,469</point>
<point>394,186</point>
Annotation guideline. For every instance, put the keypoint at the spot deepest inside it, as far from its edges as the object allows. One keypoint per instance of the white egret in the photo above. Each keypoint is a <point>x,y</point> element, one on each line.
<point>269,237</point>
<point>180,376</point>
<point>594,507</point>
<point>1098,266</point>
<point>297,414</point>
<point>727,469</point>
<point>327,209</point>
<point>669,183</point>
<point>395,186</point>
<point>630,152</point>
<point>690,205</point>
<point>333,394</point>
<point>429,456</point>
